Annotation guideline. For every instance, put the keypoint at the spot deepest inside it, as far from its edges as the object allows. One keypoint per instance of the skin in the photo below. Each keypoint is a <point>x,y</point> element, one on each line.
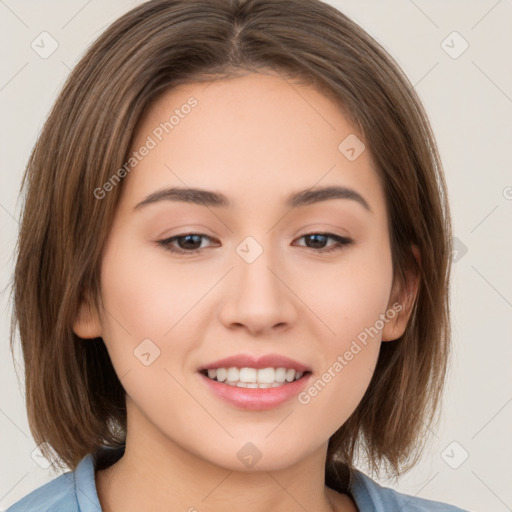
<point>255,138</point>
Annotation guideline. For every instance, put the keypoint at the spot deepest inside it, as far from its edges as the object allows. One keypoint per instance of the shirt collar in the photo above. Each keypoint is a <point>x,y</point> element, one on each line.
<point>85,482</point>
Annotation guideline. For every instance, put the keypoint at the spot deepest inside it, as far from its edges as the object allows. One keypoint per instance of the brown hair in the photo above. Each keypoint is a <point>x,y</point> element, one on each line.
<point>75,401</point>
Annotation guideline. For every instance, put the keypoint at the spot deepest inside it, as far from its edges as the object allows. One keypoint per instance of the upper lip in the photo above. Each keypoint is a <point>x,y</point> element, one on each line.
<point>250,361</point>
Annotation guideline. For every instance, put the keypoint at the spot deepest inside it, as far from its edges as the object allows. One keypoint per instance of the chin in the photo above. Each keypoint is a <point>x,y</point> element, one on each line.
<point>250,457</point>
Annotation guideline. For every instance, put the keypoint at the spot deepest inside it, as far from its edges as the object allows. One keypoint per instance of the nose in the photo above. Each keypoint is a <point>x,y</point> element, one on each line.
<point>258,297</point>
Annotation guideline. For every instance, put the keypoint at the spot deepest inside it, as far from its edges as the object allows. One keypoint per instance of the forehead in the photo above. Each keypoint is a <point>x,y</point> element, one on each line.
<point>257,138</point>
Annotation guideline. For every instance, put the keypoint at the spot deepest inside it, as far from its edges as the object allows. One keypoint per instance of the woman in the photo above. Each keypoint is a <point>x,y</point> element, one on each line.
<point>308,322</point>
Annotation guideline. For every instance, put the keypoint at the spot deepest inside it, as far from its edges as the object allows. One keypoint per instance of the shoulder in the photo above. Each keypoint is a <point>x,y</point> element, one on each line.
<point>58,495</point>
<point>369,495</point>
<point>73,491</point>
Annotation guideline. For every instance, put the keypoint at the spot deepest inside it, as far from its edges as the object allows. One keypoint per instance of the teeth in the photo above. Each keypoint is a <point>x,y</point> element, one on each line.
<point>254,378</point>
<point>268,375</point>
<point>249,375</point>
<point>281,374</point>
<point>232,374</point>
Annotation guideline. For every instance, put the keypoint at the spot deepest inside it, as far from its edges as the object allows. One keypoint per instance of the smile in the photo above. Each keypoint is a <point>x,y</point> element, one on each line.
<point>255,395</point>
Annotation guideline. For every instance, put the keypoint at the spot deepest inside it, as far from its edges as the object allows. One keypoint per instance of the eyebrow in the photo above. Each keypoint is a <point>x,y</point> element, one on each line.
<point>219,200</point>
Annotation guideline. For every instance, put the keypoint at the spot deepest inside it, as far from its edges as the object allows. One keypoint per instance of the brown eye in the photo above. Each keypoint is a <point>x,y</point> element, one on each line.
<point>189,243</point>
<point>319,240</point>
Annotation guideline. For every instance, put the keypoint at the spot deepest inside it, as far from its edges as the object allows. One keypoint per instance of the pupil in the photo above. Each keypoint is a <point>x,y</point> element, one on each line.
<point>323,237</point>
<point>189,237</point>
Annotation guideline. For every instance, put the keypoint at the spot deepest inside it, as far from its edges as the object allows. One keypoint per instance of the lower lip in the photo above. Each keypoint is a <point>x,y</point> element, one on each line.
<point>256,398</point>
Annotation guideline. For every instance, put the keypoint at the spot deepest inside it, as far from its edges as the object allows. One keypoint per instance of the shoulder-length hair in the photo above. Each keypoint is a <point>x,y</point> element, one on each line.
<point>75,401</point>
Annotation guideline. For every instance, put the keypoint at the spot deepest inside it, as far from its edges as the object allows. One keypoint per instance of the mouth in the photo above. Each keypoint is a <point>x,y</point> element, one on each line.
<point>255,382</point>
<point>255,378</point>
<point>229,385</point>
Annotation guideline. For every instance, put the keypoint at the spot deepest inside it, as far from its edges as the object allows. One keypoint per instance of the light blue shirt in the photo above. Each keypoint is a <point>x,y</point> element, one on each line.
<point>75,491</point>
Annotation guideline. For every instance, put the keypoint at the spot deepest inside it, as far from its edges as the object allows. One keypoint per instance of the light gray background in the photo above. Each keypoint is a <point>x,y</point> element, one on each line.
<point>469,101</point>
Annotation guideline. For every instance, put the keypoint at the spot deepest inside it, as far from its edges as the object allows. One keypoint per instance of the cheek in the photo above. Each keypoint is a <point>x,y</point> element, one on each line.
<point>354,311</point>
<point>349,295</point>
<point>156,308</point>
<point>146,313</point>
<point>349,360</point>
<point>146,296</point>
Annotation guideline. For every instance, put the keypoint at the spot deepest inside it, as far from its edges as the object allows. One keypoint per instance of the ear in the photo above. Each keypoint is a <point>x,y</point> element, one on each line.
<point>87,322</point>
<point>403,299</point>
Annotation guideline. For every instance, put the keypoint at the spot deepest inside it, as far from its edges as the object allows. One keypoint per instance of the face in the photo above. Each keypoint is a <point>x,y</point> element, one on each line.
<point>185,283</point>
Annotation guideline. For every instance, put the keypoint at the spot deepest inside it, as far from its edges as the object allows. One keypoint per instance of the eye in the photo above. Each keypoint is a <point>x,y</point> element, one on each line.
<point>190,243</point>
<point>319,240</point>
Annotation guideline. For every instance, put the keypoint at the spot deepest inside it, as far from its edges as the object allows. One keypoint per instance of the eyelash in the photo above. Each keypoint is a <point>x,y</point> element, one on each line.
<point>342,242</point>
